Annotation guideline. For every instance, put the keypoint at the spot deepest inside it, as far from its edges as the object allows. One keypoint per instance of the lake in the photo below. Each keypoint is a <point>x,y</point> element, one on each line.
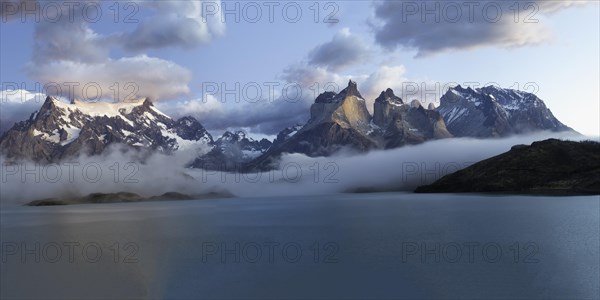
<point>383,245</point>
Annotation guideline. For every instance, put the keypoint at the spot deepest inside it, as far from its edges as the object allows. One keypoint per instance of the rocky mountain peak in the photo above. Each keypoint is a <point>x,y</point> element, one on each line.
<point>409,123</point>
<point>331,97</point>
<point>352,113</point>
<point>389,96</point>
<point>232,150</point>
<point>326,97</point>
<point>461,89</point>
<point>188,128</point>
<point>188,120</point>
<point>492,111</point>
<point>286,134</point>
<point>49,104</point>
<point>343,121</point>
<point>346,108</point>
<point>147,103</point>
<point>61,130</point>
<point>338,120</point>
<point>351,90</point>
<point>235,136</point>
<point>415,104</point>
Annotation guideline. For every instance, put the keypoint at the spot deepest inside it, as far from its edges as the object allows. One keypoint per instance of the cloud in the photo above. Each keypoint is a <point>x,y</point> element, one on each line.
<point>307,76</point>
<point>175,24</point>
<point>266,118</point>
<point>343,50</point>
<point>383,78</point>
<point>198,108</point>
<point>370,85</point>
<point>270,117</point>
<point>67,50</point>
<point>401,169</point>
<point>16,106</point>
<point>69,38</point>
<point>462,25</point>
<point>263,117</point>
<point>118,169</point>
<point>124,79</point>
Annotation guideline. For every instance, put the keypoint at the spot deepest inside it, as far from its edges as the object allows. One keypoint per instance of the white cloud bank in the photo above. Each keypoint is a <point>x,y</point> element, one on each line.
<point>400,169</point>
<point>67,50</point>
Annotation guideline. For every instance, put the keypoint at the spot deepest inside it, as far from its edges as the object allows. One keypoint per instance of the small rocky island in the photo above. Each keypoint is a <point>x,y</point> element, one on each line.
<point>550,167</point>
<point>122,197</point>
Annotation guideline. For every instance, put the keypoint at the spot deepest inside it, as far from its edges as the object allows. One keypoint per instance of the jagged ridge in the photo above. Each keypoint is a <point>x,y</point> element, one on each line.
<point>495,112</point>
<point>60,130</point>
<point>342,121</point>
<point>338,121</point>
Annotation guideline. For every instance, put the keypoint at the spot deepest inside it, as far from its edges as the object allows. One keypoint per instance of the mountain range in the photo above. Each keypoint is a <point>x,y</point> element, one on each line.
<point>60,130</point>
<point>494,112</point>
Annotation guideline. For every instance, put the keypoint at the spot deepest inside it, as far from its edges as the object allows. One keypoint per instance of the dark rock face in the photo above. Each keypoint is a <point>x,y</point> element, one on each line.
<point>347,109</point>
<point>322,139</point>
<point>384,107</point>
<point>342,121</point>
<point>188,128</point>
<point>403,124</point>
<point>327,138</point>
<point>337,121</point>
<point>231,151</point>
<point>60,130</point>
<point>551,167</point>
<point>286,134</point>
<point>326,97</point>
<point>495,112</point>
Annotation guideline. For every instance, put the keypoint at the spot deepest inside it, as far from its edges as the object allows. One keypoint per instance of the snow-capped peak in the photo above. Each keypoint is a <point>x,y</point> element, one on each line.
<point>68,128</point>
<point>98,109</point>
<point>495,111</point>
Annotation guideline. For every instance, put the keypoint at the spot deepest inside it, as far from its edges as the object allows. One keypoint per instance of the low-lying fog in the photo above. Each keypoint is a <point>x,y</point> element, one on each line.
<point>400,169</point>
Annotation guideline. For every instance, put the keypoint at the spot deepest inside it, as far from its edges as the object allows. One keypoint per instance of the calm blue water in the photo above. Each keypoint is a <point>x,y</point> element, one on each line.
<point>359,246</point>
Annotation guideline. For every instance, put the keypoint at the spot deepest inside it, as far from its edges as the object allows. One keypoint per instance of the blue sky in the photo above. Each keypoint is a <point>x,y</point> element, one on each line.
<point>378,44</point>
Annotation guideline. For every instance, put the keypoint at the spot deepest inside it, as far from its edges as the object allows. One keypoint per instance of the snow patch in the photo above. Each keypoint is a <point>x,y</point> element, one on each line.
<point>126,133</point>
<point>72,135</point>
<point>251,154</point>
<point>454,114</point>
<point>53,138</point>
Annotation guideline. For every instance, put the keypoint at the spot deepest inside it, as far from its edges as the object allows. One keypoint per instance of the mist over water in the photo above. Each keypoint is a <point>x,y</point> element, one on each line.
<point>119,170</point>
<point>294,233</point>
<point>351,246</point>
